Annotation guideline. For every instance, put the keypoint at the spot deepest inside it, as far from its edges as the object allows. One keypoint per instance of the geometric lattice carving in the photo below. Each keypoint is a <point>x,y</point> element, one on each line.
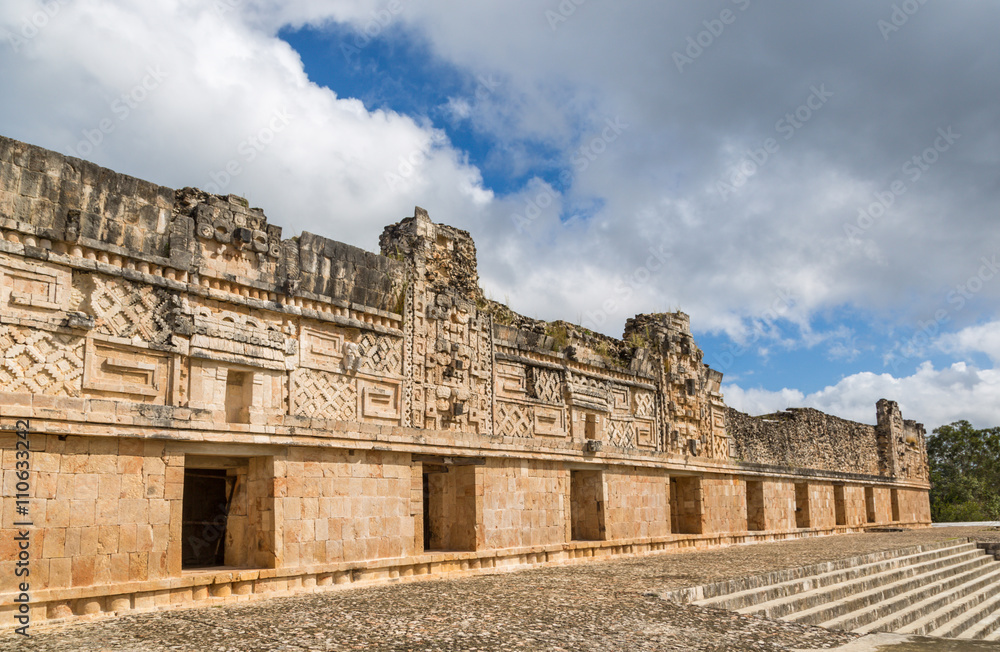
<point>513,420</point>
<point>409,395</point>
<point>620,433</point>
<point>545,385</point>
<point>40,362</point>
<point>720,447</point>
<point>643,403</point>
<point>325,395</point>
<point>126,309</point>
<point>381,354</point>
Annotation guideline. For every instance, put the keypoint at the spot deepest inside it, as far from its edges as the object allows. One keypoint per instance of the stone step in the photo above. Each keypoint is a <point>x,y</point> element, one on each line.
<point>886,600</point>
<point>862,567</point>
<point>977,622</point>
<point>946,590</point>
<point>987,629</point>
<point>876,591</point>
<point>824,603</point>
<point>749,585</point>
<point>940,603</point>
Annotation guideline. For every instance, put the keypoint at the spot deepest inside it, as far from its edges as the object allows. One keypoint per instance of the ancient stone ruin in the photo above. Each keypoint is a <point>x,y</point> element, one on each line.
<point>216,413</point>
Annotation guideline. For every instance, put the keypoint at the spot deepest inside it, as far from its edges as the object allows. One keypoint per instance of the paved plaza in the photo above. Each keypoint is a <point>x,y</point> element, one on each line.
<point>597,606</point>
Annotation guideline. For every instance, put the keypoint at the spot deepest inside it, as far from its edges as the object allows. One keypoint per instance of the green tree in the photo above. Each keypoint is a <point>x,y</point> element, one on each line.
<point>965,473</point>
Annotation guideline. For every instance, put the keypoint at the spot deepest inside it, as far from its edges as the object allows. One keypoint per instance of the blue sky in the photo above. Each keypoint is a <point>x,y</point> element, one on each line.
<point>399,71</point>
<point>816,184</point>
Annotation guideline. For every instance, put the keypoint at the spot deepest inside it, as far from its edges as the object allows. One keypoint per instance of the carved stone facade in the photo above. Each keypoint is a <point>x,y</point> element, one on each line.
<point>215,412</point>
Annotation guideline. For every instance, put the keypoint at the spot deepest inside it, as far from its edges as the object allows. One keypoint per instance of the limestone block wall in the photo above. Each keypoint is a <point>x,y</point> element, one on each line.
<point>40,187</point>
<point>913,506</point>
<point>854,504</point>
<point>882,505</point>
<point>779,501</point>
<point>638,503</point>
<point>524,504</point>
<point>261,546</point>
<point>107,511</point>
<point>78,201</point>
<point>822,510</point>
<point>338,506</point>
<point>725,504</point>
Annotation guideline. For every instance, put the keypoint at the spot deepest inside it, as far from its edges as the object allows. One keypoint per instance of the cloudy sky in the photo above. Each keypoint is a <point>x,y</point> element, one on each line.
<point>815,183</point>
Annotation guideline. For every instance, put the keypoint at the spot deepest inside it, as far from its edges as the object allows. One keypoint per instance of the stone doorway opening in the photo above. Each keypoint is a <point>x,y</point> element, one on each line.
<point>586,505</point>
<point>894,500</point>
<point>839,504</point>
<point>870,514</point>
<point>208,496</point>
<point>227,512</point>
<point>756,520</point>
<point>802,519</point>
<point>685,505</point>
<point>449,502</point>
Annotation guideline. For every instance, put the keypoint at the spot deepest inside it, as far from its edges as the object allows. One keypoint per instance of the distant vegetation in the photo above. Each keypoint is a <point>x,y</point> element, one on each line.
<point>965,473</point>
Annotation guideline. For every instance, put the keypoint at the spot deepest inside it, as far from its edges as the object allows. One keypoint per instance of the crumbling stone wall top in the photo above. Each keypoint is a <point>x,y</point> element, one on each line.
<point>205,238</point>
<point>806,438</point>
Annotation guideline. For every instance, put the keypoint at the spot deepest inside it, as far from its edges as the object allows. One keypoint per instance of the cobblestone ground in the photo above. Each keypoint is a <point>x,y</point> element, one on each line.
<point>588,606</point>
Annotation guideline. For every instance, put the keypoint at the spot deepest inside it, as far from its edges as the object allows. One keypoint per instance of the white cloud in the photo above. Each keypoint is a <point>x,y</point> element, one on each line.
<point>931,396</point>
<point>984,338</point>
<point>458,108</point>
<point>758,401</point>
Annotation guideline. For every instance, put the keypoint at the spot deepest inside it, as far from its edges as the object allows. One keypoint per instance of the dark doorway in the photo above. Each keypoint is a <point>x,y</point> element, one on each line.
<point>449,494</point>
<point>756,518</point>
<point>685,505</point>
<point>205,510</point>
<point>802,516</point>
<point>427,518</point>
<point>839,504</point>
<point>586,505</point>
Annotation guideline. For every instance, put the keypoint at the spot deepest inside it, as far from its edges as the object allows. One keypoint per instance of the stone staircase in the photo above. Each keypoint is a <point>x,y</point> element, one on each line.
<point>949,589</point>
